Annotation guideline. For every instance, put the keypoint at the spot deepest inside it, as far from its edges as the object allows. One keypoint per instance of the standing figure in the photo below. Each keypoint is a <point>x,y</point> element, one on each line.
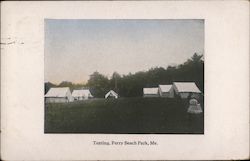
<point>194,106</point>
<point>194,115</point>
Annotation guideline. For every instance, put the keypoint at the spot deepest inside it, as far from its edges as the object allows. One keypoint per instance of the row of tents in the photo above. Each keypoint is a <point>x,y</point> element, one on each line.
<point>63,94</point>
<point>182,89</point>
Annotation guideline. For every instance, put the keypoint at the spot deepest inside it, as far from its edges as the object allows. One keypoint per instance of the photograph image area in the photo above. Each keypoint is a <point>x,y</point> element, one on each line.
<point>124,76</point>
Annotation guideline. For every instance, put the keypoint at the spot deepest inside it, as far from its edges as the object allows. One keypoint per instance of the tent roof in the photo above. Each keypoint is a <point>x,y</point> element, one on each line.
<point>81,93</point>
<point>187,87</point>
<point>111,93</point>
<point>57,92</point>
<point>150,90</point>
<point>165,88</point>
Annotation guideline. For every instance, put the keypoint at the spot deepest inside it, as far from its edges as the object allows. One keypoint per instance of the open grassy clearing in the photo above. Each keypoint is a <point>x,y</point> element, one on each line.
<point>123,115</point>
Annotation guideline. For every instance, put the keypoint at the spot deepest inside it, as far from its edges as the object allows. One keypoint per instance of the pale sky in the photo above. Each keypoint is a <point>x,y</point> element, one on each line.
<point>74,49</point>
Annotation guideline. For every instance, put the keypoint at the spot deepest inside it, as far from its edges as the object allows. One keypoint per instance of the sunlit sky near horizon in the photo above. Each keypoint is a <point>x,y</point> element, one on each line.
<point>74,49</point>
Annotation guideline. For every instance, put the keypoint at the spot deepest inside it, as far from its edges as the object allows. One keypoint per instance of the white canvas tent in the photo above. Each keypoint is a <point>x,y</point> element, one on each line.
<point>184,89</point>
<point>166,91</point>
<point>82,94</point>
<point>111,94</point>
<point>58,95</point>
<point>150,92</point>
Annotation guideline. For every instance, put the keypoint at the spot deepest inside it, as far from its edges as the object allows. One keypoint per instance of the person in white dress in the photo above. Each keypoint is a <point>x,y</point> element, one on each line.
<point>194,106</point>
<point>194,112</point>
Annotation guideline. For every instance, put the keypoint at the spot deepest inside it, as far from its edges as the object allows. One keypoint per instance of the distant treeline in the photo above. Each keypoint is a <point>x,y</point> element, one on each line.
<point>131,85</point>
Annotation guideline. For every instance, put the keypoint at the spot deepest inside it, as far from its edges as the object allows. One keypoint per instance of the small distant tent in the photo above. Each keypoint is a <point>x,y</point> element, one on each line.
<point>150,92</point>
<point>58,95</point>
<point>111,94</point>
<point>184,89</point>
<point>166,91</point>
<point>81,94</point>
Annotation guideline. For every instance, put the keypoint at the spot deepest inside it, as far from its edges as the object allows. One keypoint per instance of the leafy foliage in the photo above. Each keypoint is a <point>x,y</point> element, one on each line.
<point>131,85</point>
<point>47,86</point>
<point>98,84</point>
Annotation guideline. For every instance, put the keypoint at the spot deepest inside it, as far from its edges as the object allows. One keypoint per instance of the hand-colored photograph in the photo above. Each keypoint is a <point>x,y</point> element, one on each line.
<point>124,76</point>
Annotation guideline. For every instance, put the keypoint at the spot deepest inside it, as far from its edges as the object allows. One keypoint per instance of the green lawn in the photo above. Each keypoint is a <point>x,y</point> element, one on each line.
<point>123,115</point>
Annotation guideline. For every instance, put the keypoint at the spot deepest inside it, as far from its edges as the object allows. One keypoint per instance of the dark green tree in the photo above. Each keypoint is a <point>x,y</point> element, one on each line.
<point>47,86</point>
<point>67,84</point>
<point>115,82</point>
<point>98,84</point>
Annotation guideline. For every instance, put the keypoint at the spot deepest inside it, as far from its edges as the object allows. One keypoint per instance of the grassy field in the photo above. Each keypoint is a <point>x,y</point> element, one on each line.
<point>123,115</point>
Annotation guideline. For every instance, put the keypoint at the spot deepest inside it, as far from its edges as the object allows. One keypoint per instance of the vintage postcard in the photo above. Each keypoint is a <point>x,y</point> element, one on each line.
<point>125,80</point>
<point>124,76</point>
